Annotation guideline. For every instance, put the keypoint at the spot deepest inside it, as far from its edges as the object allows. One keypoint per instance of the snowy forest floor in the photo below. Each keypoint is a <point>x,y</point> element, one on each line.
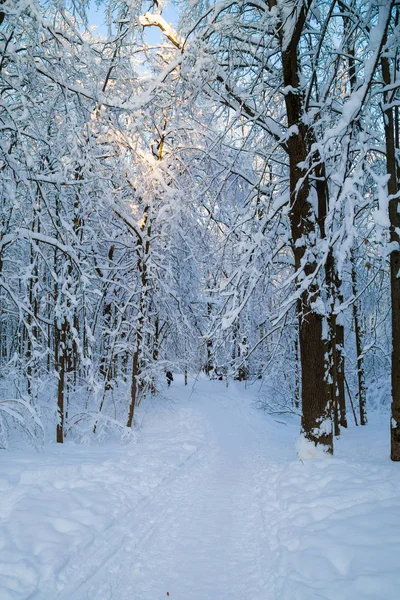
<point>211,503</point>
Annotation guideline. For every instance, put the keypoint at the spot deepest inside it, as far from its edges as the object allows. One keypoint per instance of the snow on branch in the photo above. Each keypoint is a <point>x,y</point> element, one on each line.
<point>150,20</point>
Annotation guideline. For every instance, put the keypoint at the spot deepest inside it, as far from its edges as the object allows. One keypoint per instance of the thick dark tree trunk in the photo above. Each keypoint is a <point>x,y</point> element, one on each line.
<point>316,401</point>
<point>333,286</point>
<point>297,383</point>
<point>336,349</point>
<point>394,216</point>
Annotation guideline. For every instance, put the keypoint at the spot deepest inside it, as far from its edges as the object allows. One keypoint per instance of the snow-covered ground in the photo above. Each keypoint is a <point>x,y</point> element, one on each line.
<point>211,503</point>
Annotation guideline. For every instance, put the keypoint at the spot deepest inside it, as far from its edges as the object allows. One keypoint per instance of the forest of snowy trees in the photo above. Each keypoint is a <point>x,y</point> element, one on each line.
<point>223,200</point>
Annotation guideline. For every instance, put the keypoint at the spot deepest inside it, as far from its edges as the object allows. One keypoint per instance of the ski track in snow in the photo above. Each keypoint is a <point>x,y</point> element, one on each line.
<point>210,504</point>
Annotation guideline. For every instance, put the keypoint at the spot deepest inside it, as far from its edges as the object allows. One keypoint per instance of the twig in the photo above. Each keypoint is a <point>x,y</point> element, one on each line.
<point>351,401</point>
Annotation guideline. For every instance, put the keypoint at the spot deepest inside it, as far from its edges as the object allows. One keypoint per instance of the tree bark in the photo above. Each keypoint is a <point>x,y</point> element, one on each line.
<point>316,397</point>
<point>61,341</point>
<point>362,394</point>
<point>394,217</point>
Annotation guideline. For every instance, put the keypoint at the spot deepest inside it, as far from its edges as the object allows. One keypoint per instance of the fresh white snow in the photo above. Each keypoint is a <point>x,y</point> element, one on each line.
<point>211,503</point>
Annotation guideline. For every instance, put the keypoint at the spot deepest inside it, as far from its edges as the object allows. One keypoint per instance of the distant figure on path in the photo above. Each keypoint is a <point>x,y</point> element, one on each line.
<point>169,377</point>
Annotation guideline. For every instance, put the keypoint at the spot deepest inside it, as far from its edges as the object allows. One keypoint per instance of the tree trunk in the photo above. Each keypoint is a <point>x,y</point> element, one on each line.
<point>335,340</point>
<point>394,216</point>
<point>61,343</point>
<point>142,266</point>
<point>134,386</point>
<point>316,401</point>
<point>362,394</point>
<point>297,389</point>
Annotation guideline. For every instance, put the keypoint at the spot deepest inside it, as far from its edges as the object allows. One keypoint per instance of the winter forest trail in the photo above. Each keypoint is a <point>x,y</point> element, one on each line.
<point>210,504</point>
<point>201,534</point>
<point>206,541</point>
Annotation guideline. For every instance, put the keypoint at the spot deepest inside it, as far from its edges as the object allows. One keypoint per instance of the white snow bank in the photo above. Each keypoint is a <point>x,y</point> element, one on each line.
<point>308,450</point>
<point>336,523</point>
<point>66,509</point>
<point>212,503</point>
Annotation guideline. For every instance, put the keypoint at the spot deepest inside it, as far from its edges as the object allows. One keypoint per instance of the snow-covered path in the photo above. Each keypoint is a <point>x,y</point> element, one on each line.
<point>210,504</point>
<point>207,539</point>
<point>200,534</point>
